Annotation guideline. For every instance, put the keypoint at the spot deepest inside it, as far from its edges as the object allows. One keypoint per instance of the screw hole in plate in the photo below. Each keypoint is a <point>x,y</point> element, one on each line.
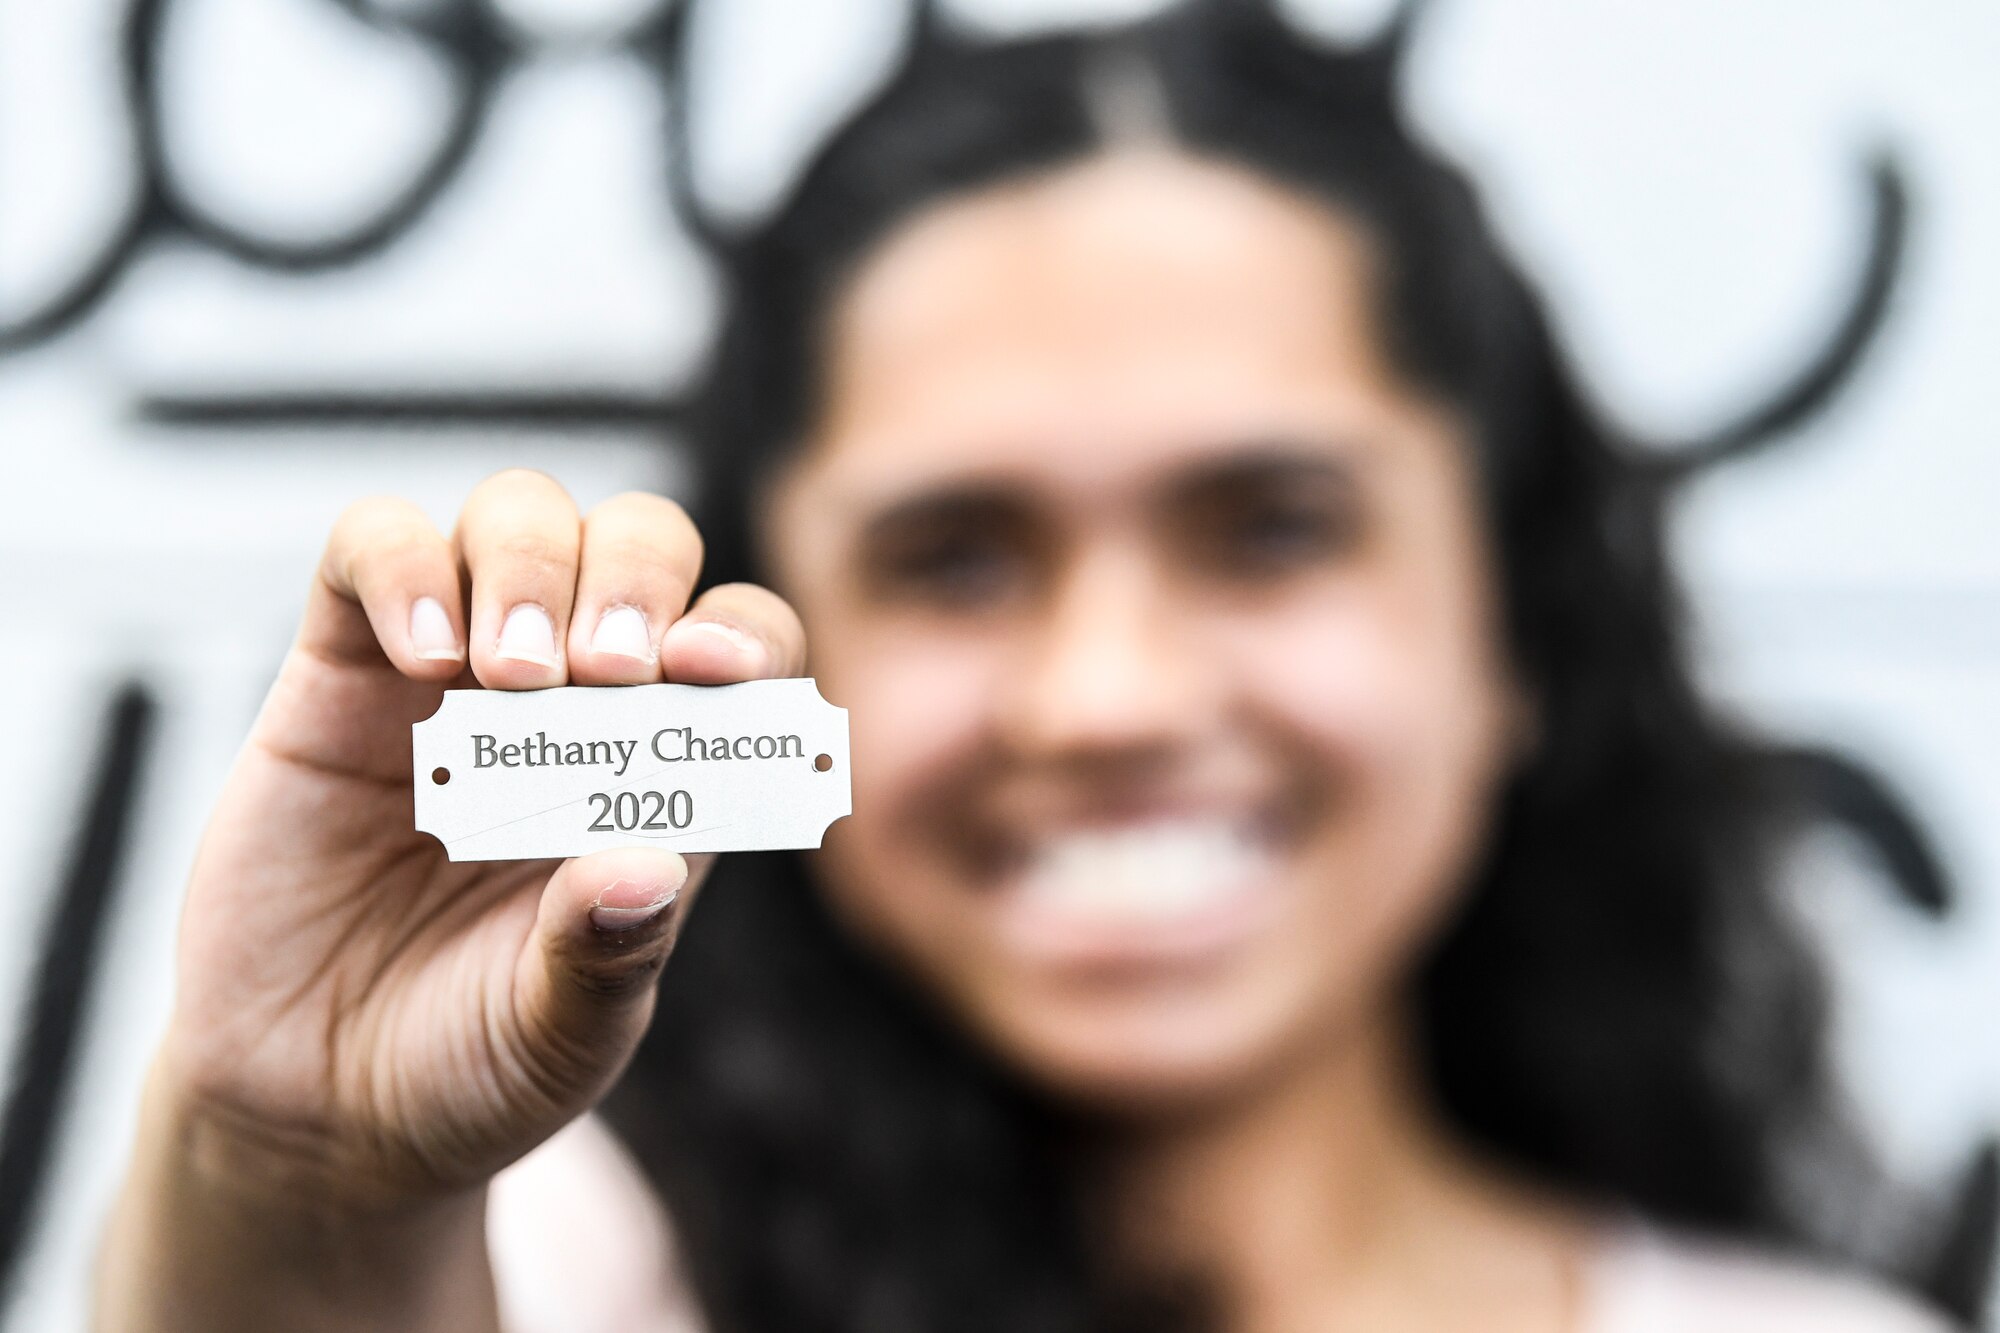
<point>823,764</point>
<point>440,776</point>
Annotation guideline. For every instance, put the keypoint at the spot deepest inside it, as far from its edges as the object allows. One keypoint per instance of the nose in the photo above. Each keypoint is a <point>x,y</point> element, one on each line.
<point>1114,665</point>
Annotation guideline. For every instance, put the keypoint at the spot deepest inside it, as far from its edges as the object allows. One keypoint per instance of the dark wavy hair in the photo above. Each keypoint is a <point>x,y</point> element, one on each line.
<point>1623,1005</point>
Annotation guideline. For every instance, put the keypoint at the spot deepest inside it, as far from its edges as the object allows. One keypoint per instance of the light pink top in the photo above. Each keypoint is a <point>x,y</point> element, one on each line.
<point>1647,1282</point>
<point>581,1245</point>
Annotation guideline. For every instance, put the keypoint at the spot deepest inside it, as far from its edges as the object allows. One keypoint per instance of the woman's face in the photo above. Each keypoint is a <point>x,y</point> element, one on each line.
<point>1164,612</point>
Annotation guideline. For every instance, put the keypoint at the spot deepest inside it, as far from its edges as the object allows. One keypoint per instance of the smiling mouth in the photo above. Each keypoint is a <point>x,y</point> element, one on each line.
<point>1163,892</point>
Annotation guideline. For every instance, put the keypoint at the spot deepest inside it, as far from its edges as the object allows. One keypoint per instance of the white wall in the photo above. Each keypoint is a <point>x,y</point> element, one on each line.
<point>1681,176</point>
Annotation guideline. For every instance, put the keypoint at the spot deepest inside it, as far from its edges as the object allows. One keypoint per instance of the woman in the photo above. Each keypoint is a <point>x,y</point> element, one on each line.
<point>1293,882</point>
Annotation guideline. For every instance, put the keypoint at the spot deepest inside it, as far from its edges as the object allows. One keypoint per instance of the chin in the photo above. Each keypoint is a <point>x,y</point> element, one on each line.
<point>1143,1053</point>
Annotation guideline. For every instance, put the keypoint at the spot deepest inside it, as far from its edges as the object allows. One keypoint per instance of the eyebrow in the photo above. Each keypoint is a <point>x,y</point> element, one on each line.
<point>1275,465</point>
<point>973,503</point>
<point>985,500</point>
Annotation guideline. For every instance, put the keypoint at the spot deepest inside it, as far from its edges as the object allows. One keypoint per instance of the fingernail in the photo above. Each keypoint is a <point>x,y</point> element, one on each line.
<point>431,635</point>
<point>629,904</point>
<point>623,632</point>
<point>742,643</point>
<point>528,636</point>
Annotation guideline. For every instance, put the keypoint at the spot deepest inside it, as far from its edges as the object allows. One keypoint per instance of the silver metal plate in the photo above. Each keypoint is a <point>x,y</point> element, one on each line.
<point>515,775</point>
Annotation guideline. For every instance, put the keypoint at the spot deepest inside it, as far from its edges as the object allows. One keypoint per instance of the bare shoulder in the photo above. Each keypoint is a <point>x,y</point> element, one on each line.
<point>1650,1282</point>
<point>581,1244</point>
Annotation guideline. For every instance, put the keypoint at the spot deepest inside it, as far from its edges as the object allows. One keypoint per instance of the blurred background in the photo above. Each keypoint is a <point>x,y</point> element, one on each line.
<point>259,258</point>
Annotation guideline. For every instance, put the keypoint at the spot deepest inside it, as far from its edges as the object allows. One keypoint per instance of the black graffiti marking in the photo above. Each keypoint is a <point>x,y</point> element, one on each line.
<point>478,48</point>
<point>280,410</point>
<point>79,915</point>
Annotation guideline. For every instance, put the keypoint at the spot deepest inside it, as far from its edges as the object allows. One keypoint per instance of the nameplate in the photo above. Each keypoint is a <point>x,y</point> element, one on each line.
<point>505,775</point>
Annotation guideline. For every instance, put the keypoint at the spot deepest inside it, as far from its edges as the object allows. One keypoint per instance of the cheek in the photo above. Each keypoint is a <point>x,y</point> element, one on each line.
<point>916,711</point>
<point>1378,675</point>
<point>916,704</point>
<point>1395,699</point>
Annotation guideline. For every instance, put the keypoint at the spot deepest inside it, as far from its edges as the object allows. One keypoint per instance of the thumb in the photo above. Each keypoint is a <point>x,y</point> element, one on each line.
<point>605,926</point>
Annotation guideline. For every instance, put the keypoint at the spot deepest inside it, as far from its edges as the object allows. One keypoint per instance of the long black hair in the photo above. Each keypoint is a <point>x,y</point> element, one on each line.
<point>1623,1005</point>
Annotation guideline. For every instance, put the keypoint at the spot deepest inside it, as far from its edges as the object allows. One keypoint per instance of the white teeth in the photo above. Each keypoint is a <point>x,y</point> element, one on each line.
<point>1152,871</point>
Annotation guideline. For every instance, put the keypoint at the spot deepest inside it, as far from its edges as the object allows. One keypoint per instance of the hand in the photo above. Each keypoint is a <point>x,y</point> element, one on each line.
<point>390,1026</point>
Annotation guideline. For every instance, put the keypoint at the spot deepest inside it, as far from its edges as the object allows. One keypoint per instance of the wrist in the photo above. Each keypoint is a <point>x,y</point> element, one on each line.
<point>225,1225</point>
<point>276,1138</point>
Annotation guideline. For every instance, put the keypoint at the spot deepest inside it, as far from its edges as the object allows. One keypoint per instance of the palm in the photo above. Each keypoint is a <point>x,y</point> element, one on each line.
<point>337,970</point>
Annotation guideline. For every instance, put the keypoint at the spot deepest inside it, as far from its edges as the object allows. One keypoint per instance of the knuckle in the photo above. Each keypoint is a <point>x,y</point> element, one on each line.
<point>377,535</point>
<point>661,524</point>
<point>744,593</point>
<point>617,977</point>
<point>645,504</point>
<point>771,612</point>
<point>622,549</point>
<point>517,479</point>
<point>374,514</point>
<point>512,496</point>
<point>635,557</point>
<point>534,553</point>
<point>394,550</point>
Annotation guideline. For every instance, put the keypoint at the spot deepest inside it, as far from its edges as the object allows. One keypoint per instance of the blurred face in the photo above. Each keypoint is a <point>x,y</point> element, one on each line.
<point>1163,610</point>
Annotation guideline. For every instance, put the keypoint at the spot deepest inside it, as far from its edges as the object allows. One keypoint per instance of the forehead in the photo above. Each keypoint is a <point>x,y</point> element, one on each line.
<point>1130,303</point>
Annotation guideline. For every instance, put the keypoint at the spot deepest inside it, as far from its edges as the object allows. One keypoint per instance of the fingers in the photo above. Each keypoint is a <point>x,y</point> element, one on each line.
<point>641,556</point>
<point>605,926</point>
<point>520,541</point>
<point>734,632</point>
<point>553,598</point>
<point>387,587</point>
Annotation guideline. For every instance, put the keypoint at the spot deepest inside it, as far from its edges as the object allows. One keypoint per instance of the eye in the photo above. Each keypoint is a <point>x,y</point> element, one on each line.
<point>956,569</point>
<point>1263,532</point>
